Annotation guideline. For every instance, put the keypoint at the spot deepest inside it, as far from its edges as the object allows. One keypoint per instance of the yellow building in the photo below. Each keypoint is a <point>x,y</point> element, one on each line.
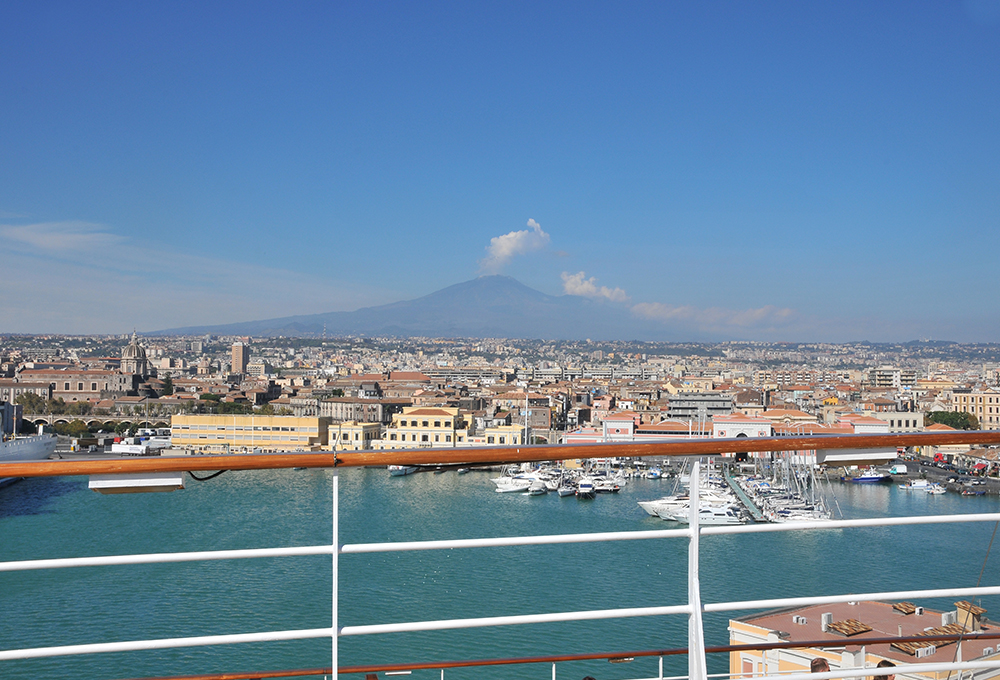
<point>354,436</point>
<point>984,404</point>
<point>247,433</point>
<point>424,427</point>
<point>501,435</point>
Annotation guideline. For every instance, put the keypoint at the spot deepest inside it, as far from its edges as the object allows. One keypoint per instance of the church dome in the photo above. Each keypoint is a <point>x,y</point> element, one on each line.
<point>134,350</point>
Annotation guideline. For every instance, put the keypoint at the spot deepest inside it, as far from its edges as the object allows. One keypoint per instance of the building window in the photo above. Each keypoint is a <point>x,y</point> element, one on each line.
<point>447,437</point>
<point>392,437</point>
<point>425,423</point>
<point>437,437</point>
<point>66,387</point>
<point>447,423</point>
<point>489,440</point>
<point>93,387</point>
<point>423,438</point>
<point>502,440</point>
<point>437,423</point>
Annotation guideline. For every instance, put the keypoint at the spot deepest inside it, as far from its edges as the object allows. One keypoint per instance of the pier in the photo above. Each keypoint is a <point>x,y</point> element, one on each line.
<point>754,511</point>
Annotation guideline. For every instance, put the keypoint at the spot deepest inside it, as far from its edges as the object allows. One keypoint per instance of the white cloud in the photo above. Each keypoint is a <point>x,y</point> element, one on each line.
<point>715,318</point>
<point>579,284</point>
<point>502,248</point>
<point>60,237</point>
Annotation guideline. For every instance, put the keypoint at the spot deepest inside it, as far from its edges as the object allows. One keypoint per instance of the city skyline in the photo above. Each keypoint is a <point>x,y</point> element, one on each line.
<point>773,171</point>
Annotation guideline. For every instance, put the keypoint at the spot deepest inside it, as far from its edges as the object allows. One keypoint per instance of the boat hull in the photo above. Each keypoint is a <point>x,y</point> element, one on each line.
<point>37,447</point>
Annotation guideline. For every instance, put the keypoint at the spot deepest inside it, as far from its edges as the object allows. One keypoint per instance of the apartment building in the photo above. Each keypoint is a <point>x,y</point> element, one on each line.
<point>247,433</point>
<point>354,436</point>
<point>424,427</point>
<point>890,376</point>
<point>984,404</point>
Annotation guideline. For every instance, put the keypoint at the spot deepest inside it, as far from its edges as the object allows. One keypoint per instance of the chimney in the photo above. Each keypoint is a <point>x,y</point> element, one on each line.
<point>825,621</point>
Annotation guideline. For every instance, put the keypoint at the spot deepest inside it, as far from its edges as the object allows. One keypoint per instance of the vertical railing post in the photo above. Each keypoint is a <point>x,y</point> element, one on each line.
<point>335,556</point>
<point>696,636</point>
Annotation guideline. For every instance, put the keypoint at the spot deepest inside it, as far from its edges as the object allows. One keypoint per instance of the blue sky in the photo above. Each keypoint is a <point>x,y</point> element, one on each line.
<point>759,170</point>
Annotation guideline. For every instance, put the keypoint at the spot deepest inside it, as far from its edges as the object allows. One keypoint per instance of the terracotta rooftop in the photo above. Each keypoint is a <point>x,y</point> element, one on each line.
<point>881,619</point>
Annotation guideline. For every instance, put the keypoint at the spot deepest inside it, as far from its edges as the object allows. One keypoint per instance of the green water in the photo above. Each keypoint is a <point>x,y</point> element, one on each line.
<point>47,518</point>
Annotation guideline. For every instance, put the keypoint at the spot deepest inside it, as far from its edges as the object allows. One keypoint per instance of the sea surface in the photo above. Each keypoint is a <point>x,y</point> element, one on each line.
<point>60,517</point>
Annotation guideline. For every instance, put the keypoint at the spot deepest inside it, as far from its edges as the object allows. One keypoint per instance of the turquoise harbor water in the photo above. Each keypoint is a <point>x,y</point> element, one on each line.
<point>47,518</point>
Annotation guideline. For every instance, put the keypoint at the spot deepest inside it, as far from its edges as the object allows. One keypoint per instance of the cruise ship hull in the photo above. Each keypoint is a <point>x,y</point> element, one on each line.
<point>37,447</point>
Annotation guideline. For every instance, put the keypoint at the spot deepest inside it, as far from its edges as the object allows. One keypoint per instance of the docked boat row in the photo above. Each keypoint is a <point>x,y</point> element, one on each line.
<point>563,481</point>
<point>783,492</point>
<point>718,504</point>
<point>780,503</point>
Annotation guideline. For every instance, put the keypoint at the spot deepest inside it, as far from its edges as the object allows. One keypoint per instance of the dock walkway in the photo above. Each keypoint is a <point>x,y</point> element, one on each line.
<point>754,511</point>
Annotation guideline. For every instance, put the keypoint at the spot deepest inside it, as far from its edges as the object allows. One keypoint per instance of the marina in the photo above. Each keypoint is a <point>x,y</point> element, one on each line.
<point>54,517</point>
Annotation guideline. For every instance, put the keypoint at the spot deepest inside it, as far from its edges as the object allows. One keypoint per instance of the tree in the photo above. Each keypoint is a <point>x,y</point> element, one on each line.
<point>230,407</point>
<point>76,428</point>
<point>956,419</point>
<point>168,387</point>
<point>79,408</point>
<point>31,402</point>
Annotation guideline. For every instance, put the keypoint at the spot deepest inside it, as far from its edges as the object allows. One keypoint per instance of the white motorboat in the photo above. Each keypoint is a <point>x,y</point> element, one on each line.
<point>666,506</point>
<point>537,488</point>
<point>585,488</point>
<point>401,470</point>
<point>512,484</point>
<point>606,486</point>
<point>713,515</point>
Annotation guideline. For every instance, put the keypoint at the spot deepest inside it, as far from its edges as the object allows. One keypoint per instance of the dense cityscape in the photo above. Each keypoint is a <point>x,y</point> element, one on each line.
<point>356,393</point>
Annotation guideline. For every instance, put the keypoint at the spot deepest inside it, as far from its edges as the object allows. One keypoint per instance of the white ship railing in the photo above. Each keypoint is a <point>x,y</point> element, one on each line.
<point>693,608</point>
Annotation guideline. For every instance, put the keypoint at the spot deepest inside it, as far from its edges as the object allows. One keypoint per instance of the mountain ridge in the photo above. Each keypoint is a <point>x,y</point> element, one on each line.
<point>487,306</point>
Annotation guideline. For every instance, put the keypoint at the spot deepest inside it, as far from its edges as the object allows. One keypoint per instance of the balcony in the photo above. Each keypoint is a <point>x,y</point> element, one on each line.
<point>671,601</point>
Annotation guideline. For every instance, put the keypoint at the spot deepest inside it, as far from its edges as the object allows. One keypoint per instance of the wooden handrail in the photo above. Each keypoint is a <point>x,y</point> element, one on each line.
<point>718,649</point>
<point>491,455</point>
<point>678,651</point>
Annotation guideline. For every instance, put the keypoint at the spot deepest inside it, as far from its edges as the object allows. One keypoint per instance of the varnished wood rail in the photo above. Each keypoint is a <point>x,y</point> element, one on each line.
<point>492,455</point>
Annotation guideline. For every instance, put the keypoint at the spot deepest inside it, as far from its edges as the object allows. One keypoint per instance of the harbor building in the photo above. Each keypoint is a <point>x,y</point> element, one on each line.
<point>424,427</point>
<point>499,435</point>
<point>845,629</point>
<point>354,436</point>
<point>247,433</point>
